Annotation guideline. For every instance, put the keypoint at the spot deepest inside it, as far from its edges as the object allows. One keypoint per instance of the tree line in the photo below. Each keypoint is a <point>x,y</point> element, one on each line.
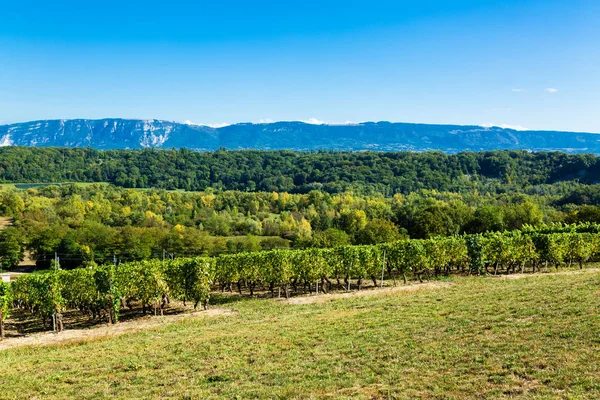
<point>96,223</point>
<point>386,173</point>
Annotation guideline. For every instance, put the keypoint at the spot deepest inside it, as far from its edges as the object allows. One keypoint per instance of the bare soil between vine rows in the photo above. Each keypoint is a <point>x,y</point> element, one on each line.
<point>321,298</point>
<point>73,336</point>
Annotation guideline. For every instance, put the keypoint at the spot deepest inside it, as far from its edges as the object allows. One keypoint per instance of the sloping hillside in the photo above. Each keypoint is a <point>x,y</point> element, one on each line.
<point>383,136</point>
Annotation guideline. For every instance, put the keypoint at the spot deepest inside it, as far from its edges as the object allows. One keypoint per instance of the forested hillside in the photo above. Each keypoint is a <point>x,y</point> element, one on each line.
<point>259,200</point>
<point>298,172</point>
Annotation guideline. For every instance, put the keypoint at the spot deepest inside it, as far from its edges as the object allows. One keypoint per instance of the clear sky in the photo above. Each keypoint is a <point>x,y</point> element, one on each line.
<point>525,63</point>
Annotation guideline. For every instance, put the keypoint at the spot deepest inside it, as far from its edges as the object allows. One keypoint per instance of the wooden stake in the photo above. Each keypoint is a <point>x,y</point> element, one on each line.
<point>382,269</point>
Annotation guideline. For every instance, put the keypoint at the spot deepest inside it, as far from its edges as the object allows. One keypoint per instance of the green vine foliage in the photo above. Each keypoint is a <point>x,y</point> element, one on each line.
<point>5,305</point>
<point>106,289</point>
<point>190,279</point>
<point>475,253</point>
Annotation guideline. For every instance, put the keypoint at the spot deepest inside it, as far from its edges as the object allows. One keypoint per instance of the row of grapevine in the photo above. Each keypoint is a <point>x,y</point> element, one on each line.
<point>104,290</point>
<point>5,304</point>
<point>478,254</point>
<point>284,268</point>
<point>40,294</point>
<point>567,248</point>
<point>558,227</point>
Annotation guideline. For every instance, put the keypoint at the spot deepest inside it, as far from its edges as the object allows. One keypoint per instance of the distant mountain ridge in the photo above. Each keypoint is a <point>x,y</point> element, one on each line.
<point>113,133</point>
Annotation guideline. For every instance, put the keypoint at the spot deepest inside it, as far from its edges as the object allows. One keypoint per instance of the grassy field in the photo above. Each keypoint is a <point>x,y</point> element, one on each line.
<point>535,337</point>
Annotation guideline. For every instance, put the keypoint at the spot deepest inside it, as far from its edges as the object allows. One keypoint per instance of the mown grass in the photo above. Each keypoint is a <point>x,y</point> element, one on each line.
<point>537,337</point>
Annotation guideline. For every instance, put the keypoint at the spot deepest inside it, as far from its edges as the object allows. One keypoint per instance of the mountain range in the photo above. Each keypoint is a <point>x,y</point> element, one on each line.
<point>114,133</point>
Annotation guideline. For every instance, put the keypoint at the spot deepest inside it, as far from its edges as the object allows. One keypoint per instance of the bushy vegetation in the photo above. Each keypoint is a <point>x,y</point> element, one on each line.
<point>100,222</point>
<point>102,291</point>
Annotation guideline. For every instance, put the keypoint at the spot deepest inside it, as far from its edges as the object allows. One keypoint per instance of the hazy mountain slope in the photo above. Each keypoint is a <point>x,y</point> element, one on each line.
<point>386,136</point>
<point>108,134</point>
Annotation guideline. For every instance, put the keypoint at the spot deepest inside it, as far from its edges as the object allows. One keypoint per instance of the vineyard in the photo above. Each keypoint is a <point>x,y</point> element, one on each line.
<point>103,291</point>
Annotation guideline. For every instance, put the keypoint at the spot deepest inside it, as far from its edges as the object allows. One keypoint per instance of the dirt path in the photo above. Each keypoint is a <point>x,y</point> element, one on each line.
<point>321,298</point>
<point>71,336</point>
<point>420,286</point>
<point>571,272</point>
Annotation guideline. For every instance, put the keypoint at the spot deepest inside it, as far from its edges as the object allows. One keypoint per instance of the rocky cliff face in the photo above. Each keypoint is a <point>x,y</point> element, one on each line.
<point>382,136</point>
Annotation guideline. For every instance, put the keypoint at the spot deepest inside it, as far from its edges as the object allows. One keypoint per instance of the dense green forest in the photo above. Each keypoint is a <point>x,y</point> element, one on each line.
<point>299,172</point>
<point>97,223</point>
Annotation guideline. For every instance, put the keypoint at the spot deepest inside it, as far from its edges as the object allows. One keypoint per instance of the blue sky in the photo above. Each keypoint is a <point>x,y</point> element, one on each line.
<point>530,63</point>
